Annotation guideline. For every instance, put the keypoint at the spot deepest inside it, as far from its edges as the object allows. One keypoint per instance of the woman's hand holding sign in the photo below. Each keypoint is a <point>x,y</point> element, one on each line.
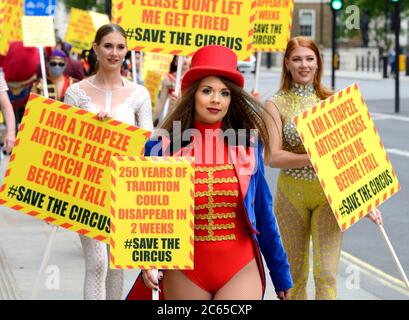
<point>375,216</point>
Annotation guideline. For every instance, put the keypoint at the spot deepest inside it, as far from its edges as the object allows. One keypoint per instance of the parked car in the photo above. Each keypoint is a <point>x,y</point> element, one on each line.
<point>247,66</point>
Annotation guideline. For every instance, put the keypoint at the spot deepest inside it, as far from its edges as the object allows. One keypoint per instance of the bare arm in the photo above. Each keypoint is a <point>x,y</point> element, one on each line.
<point>10,120</point>
<point>280,158</point>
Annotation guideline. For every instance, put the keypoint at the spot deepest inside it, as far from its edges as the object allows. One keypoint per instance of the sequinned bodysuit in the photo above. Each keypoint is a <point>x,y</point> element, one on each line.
<point>220,224</point>
<point>302,209</point>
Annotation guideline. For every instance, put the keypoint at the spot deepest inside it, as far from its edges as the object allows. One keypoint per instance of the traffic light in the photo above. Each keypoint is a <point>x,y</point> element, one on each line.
<point>395,1</point>
<point>337,5</point>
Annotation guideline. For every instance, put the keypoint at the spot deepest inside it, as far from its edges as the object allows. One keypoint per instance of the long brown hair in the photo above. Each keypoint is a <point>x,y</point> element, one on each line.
<point>287,79</point>
<point>102,32</point>
<point>244,112</point>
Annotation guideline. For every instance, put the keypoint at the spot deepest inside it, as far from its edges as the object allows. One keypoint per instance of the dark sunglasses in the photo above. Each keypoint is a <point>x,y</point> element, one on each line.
<point>54,64</point>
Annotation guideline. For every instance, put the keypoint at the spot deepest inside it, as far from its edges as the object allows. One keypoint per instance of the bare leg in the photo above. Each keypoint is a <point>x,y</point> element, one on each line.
<point>177,286</point>
<point>245,285</point>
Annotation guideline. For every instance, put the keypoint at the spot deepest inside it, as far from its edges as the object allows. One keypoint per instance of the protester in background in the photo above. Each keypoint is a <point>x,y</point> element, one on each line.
<point>108,95</point>
<point>168,87</point>
<point>74,68</point>
<point>57,82</point>
<point>8,115</point>
<point>20,71</point>
<point>392,61</point>
<point>234,220</point>
<point>301,206</point>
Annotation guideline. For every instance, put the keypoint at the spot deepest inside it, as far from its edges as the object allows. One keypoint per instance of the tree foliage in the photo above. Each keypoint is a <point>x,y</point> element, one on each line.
<point>371,11</point>
<point>94,5</point>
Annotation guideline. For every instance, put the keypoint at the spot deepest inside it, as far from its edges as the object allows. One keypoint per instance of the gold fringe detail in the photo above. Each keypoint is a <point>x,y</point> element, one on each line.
<point>214,169</point>
<point>216,205</point>
<point>215,238</point>
<point>215,226</point>
<point>216,216</point>
<point>217,193</point>
<point>216,180</point>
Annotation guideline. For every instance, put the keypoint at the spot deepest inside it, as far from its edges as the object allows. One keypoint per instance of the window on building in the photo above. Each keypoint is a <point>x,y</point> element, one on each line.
<point>307,23</point>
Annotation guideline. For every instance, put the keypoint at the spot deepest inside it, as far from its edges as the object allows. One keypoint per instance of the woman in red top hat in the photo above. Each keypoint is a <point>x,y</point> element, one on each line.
<point>234,220</point>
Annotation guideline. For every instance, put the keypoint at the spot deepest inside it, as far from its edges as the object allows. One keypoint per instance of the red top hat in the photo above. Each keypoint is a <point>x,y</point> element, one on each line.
<point>213,61</point>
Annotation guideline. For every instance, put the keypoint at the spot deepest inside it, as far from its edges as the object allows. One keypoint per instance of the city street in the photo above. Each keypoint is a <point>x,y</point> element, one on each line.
<point>366,271</point>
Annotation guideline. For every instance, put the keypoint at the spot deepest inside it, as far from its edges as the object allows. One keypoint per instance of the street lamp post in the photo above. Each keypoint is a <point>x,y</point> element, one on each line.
<point>108,8</point>
<point>397,52</point>
<point>336,5</point>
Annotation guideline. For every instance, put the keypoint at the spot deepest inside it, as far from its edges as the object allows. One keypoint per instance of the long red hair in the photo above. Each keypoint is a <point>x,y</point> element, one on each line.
<point>287,79</point>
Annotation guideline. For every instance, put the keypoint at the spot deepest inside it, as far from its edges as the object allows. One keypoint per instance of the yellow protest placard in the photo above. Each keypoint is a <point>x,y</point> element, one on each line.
<point>181,27</point>
<point>156,62</point>
<point>82,28</point>
<point>152,83</point>
<point>11,12</point>
<point>348,155</point>
<point>272,27</point>
<point>152,213</point>
<point>38,31</point>
<point>60,167</point>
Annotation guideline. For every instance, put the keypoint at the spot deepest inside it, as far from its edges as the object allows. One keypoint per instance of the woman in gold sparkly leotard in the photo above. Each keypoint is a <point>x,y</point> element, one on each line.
<point>300,205</point>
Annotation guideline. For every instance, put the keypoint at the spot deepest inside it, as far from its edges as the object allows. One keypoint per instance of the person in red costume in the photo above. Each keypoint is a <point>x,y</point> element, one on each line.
<point>234,219</point>
<point>20,72</point>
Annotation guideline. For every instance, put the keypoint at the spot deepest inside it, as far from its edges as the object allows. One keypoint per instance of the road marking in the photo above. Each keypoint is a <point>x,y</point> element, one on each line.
<point>383,116</point>
<point>398,152</point>
<point>371,271</point>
